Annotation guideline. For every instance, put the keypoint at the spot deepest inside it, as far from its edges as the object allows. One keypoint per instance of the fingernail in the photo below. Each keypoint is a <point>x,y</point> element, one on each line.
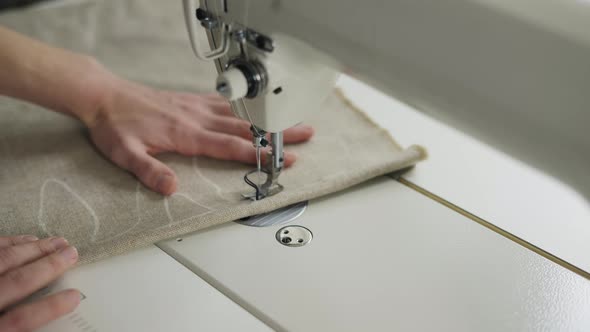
<point>76,295</point>
<point>58,242</point>
<point>72,297</point>
<point>30,238</point>
<point>164,184</point>
<point>69,253</point>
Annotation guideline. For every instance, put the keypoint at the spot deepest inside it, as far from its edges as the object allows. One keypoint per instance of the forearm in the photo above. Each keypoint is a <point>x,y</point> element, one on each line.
<point>57,79</point>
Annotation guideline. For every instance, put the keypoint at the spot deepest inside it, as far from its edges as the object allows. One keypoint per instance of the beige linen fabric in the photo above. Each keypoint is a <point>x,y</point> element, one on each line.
<point>53,181</point>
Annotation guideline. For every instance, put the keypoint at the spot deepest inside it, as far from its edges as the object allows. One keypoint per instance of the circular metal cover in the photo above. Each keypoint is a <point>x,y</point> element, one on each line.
<point>277,217</point>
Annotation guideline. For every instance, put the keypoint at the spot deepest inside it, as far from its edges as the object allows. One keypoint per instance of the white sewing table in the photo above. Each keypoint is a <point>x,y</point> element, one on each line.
<point>471,239</point>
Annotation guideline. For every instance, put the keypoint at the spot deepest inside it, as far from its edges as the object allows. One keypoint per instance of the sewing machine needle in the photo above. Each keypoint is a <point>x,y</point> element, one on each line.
<point>258,166</point>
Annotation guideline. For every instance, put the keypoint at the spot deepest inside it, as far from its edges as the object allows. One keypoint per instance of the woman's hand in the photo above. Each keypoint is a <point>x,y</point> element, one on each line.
<point>27,265</point>
<point>128,122</point>
<point>133,123</point>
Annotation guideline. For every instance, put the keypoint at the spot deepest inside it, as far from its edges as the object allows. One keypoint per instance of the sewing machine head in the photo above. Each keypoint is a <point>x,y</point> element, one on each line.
<point>272,80</point>
<point>277,60</point>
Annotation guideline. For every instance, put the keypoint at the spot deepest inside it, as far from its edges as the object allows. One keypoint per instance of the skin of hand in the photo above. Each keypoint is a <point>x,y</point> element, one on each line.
<point>134,123</point>
<point>28,264</point>
<point>128,122</point>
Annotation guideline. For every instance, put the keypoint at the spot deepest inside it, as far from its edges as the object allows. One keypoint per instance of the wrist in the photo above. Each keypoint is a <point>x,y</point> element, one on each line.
<point>93,90</point>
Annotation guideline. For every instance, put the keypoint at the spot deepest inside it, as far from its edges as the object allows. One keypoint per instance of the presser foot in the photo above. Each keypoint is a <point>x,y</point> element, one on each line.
<point>272,169</point>
<point>269,188</point>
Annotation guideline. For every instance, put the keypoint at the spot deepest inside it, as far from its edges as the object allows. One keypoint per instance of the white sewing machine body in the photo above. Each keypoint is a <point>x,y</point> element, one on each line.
<point>514,74</point>
<point>384,256</point>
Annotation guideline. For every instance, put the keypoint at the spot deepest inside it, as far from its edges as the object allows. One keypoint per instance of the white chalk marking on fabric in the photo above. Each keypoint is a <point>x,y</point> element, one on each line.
<point>137,188</point>
<point>187,197</point>
<point>197,170</point>
<point>65,186</point>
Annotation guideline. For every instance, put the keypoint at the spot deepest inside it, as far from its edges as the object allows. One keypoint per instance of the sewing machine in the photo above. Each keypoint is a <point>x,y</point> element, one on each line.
<point>273,87</point>
<point>462,62</point>
<point>472,239</point>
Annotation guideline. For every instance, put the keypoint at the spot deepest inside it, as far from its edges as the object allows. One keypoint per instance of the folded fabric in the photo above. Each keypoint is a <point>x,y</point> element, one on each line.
<point>53,181</point>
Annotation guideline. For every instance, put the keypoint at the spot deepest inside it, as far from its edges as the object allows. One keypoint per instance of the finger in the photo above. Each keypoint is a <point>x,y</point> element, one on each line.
<point>229,125</point>
<point>290,158</point>
<point>221,108</point>
<point>210,97</point>
<point>150,171</point>
<point>238,127</point>
<point>298,134</point>
<point>7,241</point>
<point>21,282</point>
<point>215,98</point>
<point>229,147</point>
<point>15,256</point>
<point>219,104</point>
<point>36,314</point>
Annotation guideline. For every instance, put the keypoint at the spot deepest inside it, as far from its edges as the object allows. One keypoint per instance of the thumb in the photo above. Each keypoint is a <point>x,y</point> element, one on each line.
<point>150,171</point>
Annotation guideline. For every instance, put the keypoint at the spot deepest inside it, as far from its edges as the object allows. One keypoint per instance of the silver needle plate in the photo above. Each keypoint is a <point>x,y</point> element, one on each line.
<point>277,217</point>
